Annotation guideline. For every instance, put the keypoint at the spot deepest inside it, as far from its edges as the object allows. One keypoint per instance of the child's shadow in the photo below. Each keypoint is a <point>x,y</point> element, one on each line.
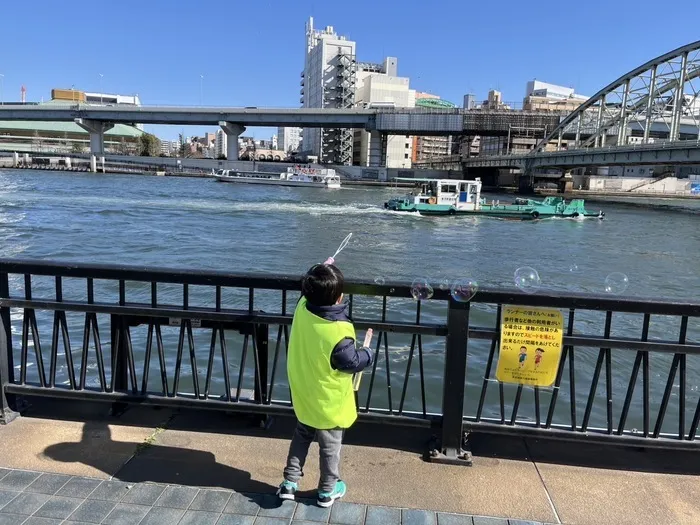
<point>151,462</point>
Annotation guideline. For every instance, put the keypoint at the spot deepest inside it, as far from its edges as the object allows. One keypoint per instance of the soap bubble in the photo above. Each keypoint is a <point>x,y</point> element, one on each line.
<point>616,283</point>
<point>421,289</point>
<point>391,290</point>
<point>379,281</point>
<point>445,284</point>
<point>573,268</point>
<point>464,290</point>
<point>527,279</point>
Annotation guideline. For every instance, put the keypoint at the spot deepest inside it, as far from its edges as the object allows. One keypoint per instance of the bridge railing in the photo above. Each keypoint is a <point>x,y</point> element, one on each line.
<point>214,340</point>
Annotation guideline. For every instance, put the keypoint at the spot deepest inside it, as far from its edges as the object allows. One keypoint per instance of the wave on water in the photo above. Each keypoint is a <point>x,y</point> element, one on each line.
<point>117,205</point>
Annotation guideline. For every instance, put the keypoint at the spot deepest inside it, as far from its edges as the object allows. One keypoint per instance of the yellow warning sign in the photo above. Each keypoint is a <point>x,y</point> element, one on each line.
<point>531,342</point>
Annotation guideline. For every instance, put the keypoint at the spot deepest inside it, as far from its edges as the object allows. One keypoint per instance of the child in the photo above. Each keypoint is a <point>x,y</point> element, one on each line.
<point>321,360</point>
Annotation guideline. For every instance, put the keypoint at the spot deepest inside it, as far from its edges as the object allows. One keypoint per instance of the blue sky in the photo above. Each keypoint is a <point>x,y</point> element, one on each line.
<point>251,53</point>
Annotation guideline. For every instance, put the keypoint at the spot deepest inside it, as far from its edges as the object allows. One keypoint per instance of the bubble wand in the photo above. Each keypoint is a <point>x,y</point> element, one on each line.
<point>342,246</point>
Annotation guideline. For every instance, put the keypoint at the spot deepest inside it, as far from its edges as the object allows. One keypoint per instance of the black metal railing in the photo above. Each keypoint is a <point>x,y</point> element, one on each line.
<point>218,341</point>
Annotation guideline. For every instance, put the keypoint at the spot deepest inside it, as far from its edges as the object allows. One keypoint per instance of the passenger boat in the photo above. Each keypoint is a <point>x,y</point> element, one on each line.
<point>294,176</point>
<point>463,197</point>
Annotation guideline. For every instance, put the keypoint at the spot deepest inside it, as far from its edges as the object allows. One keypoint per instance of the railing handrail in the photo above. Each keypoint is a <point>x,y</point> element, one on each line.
<point>122,364</point>
<point>401,289</point>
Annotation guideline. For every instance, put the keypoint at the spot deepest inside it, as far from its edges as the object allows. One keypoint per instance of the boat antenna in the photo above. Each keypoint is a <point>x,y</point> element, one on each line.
<point>342,246</point>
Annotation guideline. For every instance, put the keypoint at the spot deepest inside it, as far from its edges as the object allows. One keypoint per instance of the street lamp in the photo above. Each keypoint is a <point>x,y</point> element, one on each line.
<point>201,90</point>
<point>2,85</point>
<point>101,75</point>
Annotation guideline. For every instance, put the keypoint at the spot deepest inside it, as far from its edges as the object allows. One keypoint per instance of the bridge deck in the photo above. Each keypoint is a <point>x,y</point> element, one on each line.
<point>511,479</point>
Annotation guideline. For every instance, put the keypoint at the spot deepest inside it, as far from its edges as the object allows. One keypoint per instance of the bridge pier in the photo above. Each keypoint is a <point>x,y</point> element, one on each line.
<point>97,130</point>
<point>526,182</point>
<point>377,149</point>
<point>233,131</point>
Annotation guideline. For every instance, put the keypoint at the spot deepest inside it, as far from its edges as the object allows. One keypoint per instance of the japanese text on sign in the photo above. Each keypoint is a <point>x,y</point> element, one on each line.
<point>531,342</point>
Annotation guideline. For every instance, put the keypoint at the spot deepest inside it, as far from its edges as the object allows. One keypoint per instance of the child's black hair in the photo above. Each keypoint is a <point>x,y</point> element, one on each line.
<point>322,285</point>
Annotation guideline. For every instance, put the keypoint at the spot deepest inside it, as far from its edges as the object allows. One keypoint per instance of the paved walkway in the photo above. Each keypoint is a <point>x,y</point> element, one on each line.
<point>34,498</point>
<point>194,463</point>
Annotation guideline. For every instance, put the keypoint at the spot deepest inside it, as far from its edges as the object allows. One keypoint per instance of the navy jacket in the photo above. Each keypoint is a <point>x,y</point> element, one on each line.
<point>345,357</point>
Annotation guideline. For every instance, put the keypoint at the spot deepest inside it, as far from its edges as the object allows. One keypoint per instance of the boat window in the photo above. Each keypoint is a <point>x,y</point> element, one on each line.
<point>452,188</point>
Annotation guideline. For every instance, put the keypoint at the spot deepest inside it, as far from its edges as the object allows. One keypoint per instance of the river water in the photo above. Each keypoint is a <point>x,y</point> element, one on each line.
<point>201,224</point>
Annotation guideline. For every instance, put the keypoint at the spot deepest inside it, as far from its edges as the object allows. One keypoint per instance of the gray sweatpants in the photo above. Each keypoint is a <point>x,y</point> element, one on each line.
<point>329,443</point>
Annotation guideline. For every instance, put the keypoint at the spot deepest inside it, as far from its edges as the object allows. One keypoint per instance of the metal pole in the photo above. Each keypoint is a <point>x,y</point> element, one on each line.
<point>622,129</point>
<point>100,87</point>
<point>577,141</point>
<point>508,142</point>
<point>7,413</point>
<point>561,135</point>
<point>261,335</point>
<point>678,100</point>
<point>2,86</point>
<point>452,440</point>
<point>650,103</point>
<point>600,122</point>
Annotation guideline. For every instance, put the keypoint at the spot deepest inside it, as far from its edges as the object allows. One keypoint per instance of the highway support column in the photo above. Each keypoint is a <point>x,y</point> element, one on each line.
<point>377,149</point>
<point>97,130</point>
<point>233,131</point>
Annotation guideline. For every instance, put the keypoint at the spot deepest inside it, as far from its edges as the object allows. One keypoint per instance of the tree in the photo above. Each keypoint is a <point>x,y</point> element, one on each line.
<point>77,147</point>
<point>122,148</point>
<point>149,145</point>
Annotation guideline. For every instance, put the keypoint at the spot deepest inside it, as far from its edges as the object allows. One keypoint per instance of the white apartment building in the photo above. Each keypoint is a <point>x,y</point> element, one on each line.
<point>288,139</point>
<point>380,85</point>
<point>220,144</point>
<point>328,81</point>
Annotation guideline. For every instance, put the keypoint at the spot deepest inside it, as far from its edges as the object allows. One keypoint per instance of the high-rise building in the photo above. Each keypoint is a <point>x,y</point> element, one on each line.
<point>469,101</point>
<point>220,144</point>
<point>379,85</point>
<point>328,81</point>
<point>288,139</point>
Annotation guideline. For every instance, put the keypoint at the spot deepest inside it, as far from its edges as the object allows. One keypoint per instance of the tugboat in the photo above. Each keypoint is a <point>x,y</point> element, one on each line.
<point>463,197</point>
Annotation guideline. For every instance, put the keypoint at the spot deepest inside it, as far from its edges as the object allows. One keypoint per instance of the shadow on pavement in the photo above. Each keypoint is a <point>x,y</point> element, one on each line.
<point>166,464</point>
<point>155,463</point>
<point>585,454</point>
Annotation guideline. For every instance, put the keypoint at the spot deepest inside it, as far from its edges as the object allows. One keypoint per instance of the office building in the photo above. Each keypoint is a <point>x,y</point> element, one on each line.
<point>378,85</point>
<point>469,101</point>
<point>328,81</point>
<point>289,139</point>
<point>541,96</point>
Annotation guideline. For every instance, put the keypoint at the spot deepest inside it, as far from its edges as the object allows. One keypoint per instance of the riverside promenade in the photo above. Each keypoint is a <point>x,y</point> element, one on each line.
<point>149,466</point>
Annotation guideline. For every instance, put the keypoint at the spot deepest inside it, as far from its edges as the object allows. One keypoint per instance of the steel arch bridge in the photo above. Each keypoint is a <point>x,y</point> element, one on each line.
<point>658,101</point>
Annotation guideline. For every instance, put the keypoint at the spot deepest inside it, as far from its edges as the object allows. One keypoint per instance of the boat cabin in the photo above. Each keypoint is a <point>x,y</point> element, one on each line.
<point>460,194</point>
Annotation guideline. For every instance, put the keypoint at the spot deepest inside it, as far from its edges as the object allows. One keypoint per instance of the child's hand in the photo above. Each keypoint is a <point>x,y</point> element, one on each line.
<point>330,260</point>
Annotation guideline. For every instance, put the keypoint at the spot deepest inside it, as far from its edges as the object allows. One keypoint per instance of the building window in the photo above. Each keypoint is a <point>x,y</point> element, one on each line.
<point>405,155</point>
<point>406,145</point>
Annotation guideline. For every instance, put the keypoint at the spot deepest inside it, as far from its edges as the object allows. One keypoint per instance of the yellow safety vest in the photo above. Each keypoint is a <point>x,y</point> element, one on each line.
<point>323,398</point>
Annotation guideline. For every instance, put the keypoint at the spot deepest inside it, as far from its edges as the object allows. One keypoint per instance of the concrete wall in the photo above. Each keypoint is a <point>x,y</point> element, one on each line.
<point>665,186</point>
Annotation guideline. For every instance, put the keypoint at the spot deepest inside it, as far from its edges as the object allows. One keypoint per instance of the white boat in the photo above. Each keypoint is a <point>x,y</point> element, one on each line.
<point>300,177</point>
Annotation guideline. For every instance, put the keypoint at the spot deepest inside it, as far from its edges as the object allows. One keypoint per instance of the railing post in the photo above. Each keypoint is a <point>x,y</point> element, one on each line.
<point>261,343</point>
<point>120,368</point>
<point>452,442</point>
<point>7,368</point>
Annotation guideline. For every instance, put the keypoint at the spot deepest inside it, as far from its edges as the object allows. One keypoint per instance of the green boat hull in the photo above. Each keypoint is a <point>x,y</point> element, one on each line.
<point>527,210</point>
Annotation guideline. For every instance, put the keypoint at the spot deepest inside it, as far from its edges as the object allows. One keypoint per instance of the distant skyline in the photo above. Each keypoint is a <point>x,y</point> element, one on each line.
<point>251,54</point>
